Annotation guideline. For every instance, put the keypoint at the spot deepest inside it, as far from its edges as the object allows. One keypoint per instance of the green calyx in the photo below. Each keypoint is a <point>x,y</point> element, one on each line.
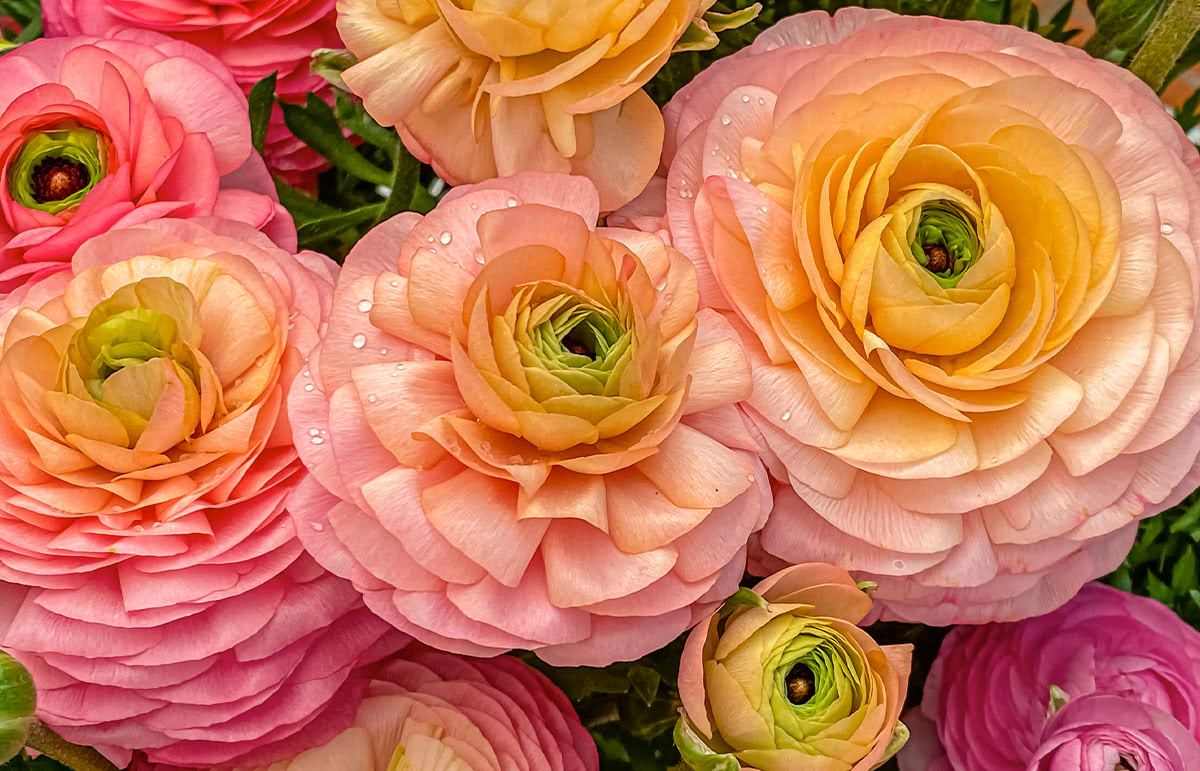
<point>945,243</point>
<point>56,169</point>
<point>18,700</point>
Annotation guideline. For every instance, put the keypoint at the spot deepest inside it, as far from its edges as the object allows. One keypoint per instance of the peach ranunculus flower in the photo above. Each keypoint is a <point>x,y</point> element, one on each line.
<point>426,710</point>
<point>530,430</point>
<point>964,263</point>
<point>782,678</point>
<point>152,580</point>
<point>487,89</point>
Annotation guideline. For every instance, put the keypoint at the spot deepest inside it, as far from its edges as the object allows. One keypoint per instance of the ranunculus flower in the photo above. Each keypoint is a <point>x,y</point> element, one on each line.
<point>98,134</point>
<point>963,261</point>
<point>530,430</point>
<point>253,39</point>
<point>431,711</point>
<point>1110,733</point>
<point>487,89</point>
<point>784,679</point>
<point>990,688</point>
<point>154,585</point>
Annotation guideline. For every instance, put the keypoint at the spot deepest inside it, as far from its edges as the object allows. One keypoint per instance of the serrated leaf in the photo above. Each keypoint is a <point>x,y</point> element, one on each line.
<point>316,126</point>
<point>262,99</point>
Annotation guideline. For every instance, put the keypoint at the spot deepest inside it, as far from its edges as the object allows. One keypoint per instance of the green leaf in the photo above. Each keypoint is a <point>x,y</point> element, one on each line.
<point>645,683</point>
<point>336,223</point>
<point>302,206</point>
<point>316,126</point>
<point>1183,575</point>
<point>744,596</point>
<point>352,115</point>
<point>406,181</point>
<point>330,63</point>
<point>262,99</point>
<point>1121,26</point>
<point>23,762</point>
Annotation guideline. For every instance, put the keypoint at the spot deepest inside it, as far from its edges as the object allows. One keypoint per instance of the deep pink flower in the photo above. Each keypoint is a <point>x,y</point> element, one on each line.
<point>253,39</point>
<point>1102,733</point>
<point>987,698</point>
<point>98,134</point>
<point>441,712</point>
<point>964,261</point>
<point>154,585</point>
<point>527,430</point>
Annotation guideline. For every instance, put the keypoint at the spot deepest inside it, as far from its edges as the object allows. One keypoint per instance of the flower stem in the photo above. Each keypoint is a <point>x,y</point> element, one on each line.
<point>1166,42</point>
<point>74,757</point>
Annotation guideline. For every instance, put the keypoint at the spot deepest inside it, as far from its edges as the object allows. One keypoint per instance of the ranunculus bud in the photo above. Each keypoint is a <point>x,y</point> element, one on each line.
<point>783,678</point>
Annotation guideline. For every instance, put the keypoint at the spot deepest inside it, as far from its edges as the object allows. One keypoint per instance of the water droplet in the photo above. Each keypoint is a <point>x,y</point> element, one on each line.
<point>305,373</point>
<point>898,564</point>
<point>308,387</point>
<point>259,361</point>
<point>156,525</point>
<point>761,100</point>
<point>364,305</point>
<point>139,528</point>
<point>807,42</point>
<point>726,119</point>
<point>1167,230</point>
<point>511,203</point>
<point>400,365</point>
<point>685,192</point>
<point>446,238</point>
<point>372,398</point>
<point>786,416</point>
<point>317,526</point>
<point>479,257</point>
<point>474,206</point>
<point>383,351</point>
<point>485,446</point>
<point>318,440</point>
<point>314,432</point>
<point>393,283</point>
<point>359,340</point>
<point>429,239</point>
<point>762,210</point>
<point>745,99</point>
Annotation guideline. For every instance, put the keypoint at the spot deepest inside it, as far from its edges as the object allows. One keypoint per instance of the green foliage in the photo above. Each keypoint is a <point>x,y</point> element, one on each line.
<point>23,762</point>
<point>1163,562</point>
<point>26,16</point>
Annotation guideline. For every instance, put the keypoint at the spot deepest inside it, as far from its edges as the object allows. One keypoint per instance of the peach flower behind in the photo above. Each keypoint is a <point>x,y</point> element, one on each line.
<point>527,430</point>
<point>150,578</point>
<point>963,260</point>
<point>489,89</point>
<point>426,710</point>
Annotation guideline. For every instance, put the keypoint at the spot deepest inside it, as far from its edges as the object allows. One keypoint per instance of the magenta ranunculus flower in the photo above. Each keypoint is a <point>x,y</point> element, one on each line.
<point>964,263</point>
<point>98,134</point>
<point>527,430</point>
<point>987,699</point>
<point>253,39</point>
<point>426,710</point>
<point>153,583</point>
<point>1104,733</point>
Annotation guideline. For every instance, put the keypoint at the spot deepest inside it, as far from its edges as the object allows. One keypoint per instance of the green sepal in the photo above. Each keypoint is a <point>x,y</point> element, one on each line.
<point>696,754</point>
<point>895,744</point>
<point>77,144</point>
<point>741,598</point>
<point>701,34</point>
<point>18,702</point>
<point>329,63</point>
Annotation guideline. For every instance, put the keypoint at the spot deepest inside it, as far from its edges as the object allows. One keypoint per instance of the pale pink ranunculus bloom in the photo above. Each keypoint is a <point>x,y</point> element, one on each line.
<point>153,583</point>
<point>253,39</point>
<point>964,263</point>
<point>526,430</point>
<point>425,710</point>
<point>988,698</point>
<point>165,132</point>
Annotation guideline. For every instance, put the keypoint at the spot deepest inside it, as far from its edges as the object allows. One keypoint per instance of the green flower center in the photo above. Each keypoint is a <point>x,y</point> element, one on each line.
<point>580,341</point>
<point>56,169</point>
<point>946,243</point>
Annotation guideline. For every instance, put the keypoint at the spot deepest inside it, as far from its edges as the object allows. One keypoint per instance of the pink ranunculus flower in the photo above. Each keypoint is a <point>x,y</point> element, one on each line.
<point>426,710</point>
<point>527,430</point>
<point>986,700</point>
<point>253,39</point>
<point>98,134</point>
<point>964,263</point>
<point>152,580</point>
<point>1104,733</point>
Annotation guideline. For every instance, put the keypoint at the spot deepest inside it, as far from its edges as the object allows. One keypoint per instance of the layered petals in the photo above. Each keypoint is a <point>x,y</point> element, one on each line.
<point>963,260</point>
<point>525,430</point>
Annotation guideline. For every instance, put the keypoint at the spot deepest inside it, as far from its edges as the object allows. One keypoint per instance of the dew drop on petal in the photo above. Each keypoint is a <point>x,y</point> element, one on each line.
<point>745,99</point>
<point>898,564</point>
<point>359,340</point>
<point>400,365</point>
<point>446,238</point>
<point>429,239</point>
<point>511,203</point>
<point>726,119</point>
<point>308,387</point>
<point>317,440</point>
<point>317,526</point>
<point>372,398</point>
<point>364,305</point>
<point>314,432</point>
<point>786,416</point>
<point>383,351</point>
<point>1167,230</point>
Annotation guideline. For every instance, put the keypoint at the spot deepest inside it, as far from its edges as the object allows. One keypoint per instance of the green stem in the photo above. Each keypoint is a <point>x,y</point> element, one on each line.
<point>74,757</point>
<point>1166,42</point>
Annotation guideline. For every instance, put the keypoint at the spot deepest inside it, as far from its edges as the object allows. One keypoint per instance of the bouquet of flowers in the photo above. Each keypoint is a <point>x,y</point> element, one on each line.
<point>567,385</point>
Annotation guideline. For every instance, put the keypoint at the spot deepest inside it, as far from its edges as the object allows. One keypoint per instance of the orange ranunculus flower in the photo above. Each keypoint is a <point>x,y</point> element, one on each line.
<point>482,89</point>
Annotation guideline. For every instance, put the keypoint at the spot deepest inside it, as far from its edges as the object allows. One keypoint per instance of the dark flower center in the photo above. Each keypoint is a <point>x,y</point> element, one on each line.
<point>939,259</point>
<point>54,179</point>
<point>801,684</point>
